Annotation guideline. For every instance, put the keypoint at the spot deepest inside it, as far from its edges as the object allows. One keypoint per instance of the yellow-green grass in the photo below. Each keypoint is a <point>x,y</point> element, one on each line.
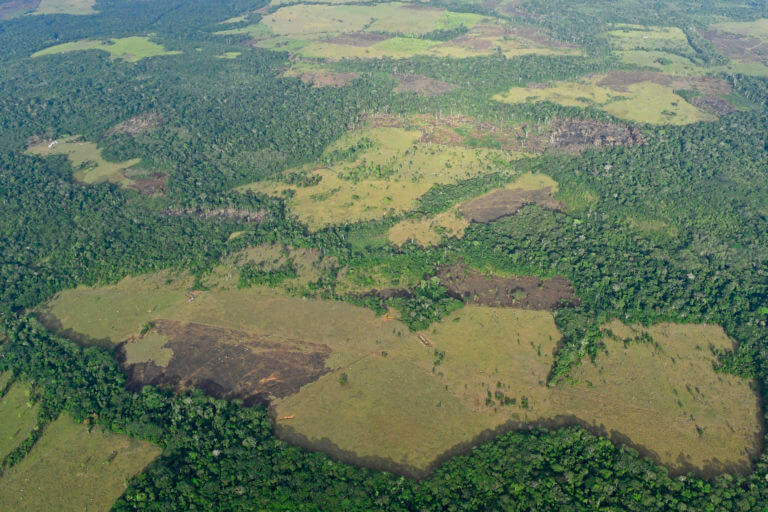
<point>430,404</point>
<point>19,415</point>
<point>131,49</point>
<point>110,314</point>
<point>229,55</point>
<point>148,348</point>
<point>634,37</point>
<point>412,170</point>
<point>396,47</point>
<point>677,65</point>
<point>429,231</point>
<point>72,468</point>
<point>4,378</point>
<point>644,102</point>
<point>256,30</point>
<point>74,7</point>
<point>757,28</point>
<point>85,158</point>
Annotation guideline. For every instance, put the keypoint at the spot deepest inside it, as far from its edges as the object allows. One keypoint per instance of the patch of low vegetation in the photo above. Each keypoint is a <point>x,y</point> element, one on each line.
<point>129,49</point>
<point>74,467</point>
<point>18,410</point>
<point>71,7</point>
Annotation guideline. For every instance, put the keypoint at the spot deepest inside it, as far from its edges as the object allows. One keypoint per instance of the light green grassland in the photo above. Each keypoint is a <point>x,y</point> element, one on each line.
<point>633,37</point>
<point>229,55</point>
<point>85,158</point>
<point>757,28</point>
<point>397,170</point>
<point>72,467</point>
<point>644,102</point>
<point>18,415</point>
<point>149,348</point>
<point>74,7</point>
<point>131,49</point>
<point>438,382</point>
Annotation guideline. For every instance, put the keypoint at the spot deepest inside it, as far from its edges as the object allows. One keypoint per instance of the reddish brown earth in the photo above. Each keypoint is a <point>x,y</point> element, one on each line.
<point>620,80</point>
<point>528,292</point>
<point>738,47</point>
<point>137,125</point>
<point>577,135</point>
<point>713,104</point>
<point>327,78</point>
<point>501,203</point>
<point>14,8</point>
<point>363,39</point>
<point>229,364</point>
<point>422,85</point>
<point>153,184</point>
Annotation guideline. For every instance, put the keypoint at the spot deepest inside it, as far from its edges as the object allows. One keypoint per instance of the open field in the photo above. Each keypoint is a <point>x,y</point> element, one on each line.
<point>86,160</point>
<point>373,171</point>
<point>365,389</point>
<point>429,231</point>
<point>757,28</point>
<point>76,7</point>
<point>19,416</point>
<point>131,49</point>
<point>72,468</point>
<point>14,8</point>
<point>645,100</point>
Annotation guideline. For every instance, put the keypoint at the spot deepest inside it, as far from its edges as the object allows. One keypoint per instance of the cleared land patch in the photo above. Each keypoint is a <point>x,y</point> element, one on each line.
<point>643,101</point>
<point>137,125</point>
<point>19,416</point>
<point>130,49</point>
<point>86,160</point>
<point>507,201</point>
<point>386,397</point>
<point>72,467</point>
<point>373,171</point>
<point>526,292</point>
<point>74,7</point>
<point>13,8</point>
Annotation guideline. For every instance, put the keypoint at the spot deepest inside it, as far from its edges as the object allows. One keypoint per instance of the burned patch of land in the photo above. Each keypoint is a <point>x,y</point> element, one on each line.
<point>228,363</point>
<point>738,47</point>
<point>327,78</point>
<point>13,8</point>
<point>363,39</point>
<point>713,104</point>
<point>501,203</point>
<point>621,80</point>
<point>154,183</point>
<point>578,135</point>
<point>527,292</point>
<point>422,85</point>
<point>137,125</point>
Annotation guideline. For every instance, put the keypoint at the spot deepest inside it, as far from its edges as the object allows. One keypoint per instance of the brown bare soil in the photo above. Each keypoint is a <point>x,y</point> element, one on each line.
<point>713,104</point>
<point>221,213</point>
<point>137,125</point>
<point>528,292</point>
<point>501,203</point>
<point>734,46</point>
<point>153,184</point>
<point>620,80</point>
<point>227,363</point>
<point>328,79</point>
<point>362,39</point>
<point>578,135</point>
<point>15,7</point>
<point>422,85</point>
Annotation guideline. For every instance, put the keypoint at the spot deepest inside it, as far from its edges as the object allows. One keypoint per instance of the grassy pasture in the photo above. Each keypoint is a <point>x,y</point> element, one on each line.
<point>74,7</point>
<point>644,102</point>
<point>638,37</point>
<point>229,55</point>
<point>131,49</point>
<point>407,401</point>
<point>757,28</point>
<point>429,231</point>
<point>86,160</point>
<point>389,176</point>
<point>19,416</point>
<point>70,468</point>
<point>149,348</point>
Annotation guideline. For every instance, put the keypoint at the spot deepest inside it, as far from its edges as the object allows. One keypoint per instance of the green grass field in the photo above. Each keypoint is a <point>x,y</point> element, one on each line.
<point>757,28</point>
<point>85,158</point>
<point>73,7</point>
<point>130,49</point>
<point>19,415</point>
<point>70,468</point>
<point>408,402</point>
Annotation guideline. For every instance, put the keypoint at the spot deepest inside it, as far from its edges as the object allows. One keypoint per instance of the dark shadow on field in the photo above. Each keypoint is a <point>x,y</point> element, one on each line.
<point>683,466</point>
<point>54,325</point>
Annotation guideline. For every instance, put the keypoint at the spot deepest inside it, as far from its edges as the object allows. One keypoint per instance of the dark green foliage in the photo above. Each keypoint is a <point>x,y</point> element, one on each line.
<point>429,303</point>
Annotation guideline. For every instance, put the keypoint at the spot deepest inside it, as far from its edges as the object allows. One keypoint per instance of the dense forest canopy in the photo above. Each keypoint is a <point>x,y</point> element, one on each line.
<point>233,130</point>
